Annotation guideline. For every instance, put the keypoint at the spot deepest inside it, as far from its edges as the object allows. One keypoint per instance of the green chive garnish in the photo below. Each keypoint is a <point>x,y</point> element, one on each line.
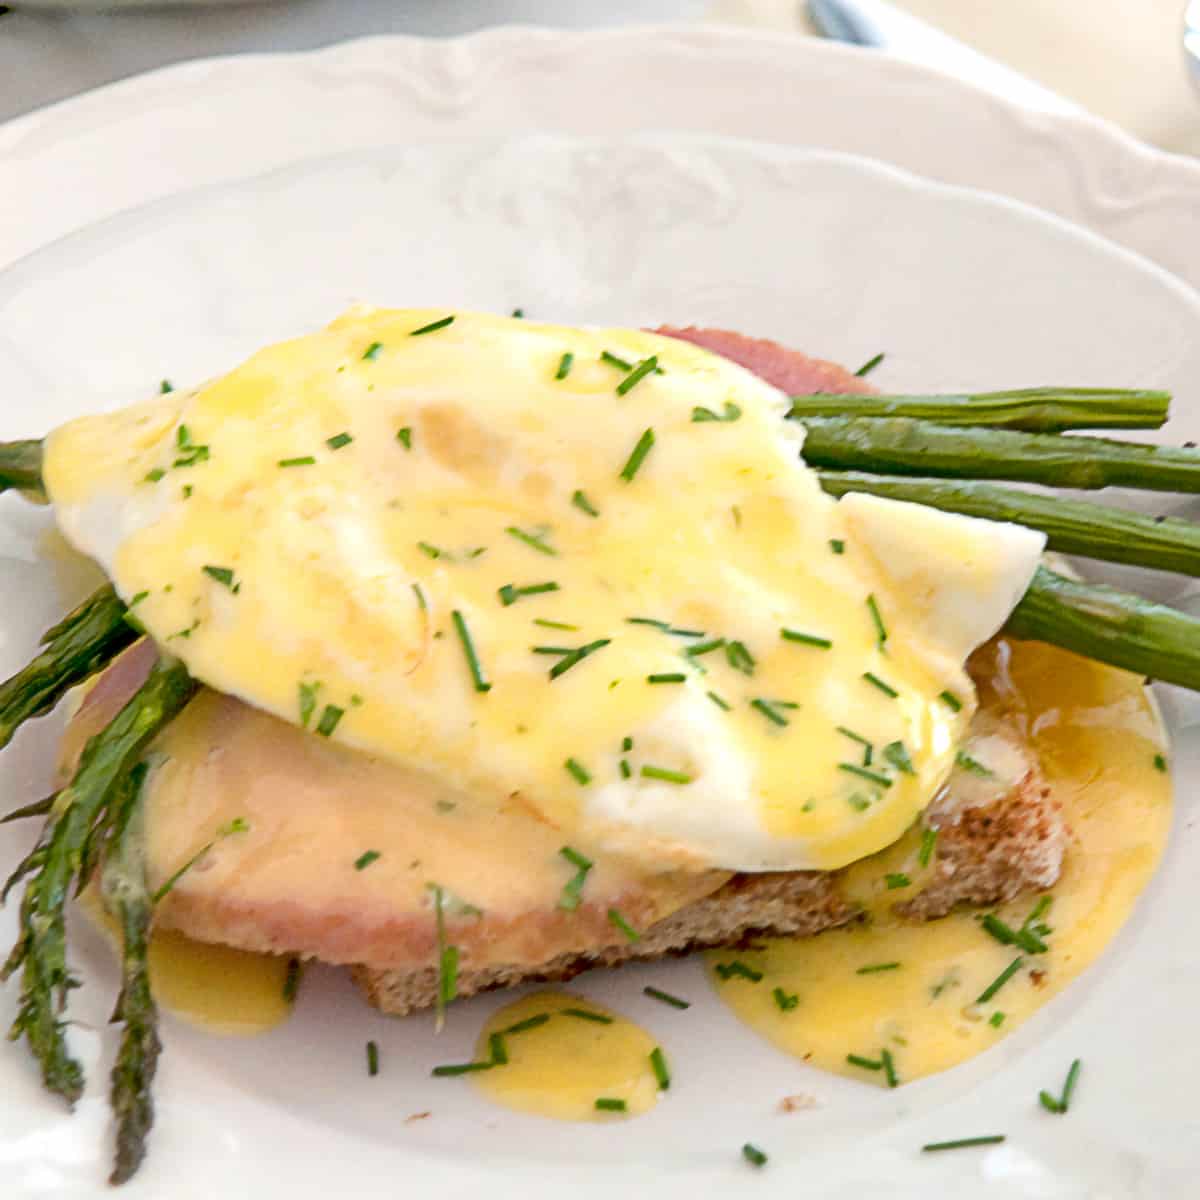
<point>555,624</point>
<point>462,1068</point>
<point>718,701</point>
<point>666,998</point>
<point>619,922</point>
<point>738,970</point>
<point>533,540</point>
<point>928,842</point>
<point>1000,980</point>
<point>305,460</point>
<point>366,858</point>
<point>578,772</point>
<point>610,1104</point>
<point>497,1050</point>
<point>329,720</point>
<point>739,658</point>
<point>564,365</point>
<point>667,776</point>
<point>447,981</point>
<point>510,594</point>
<point>576,656</point>
<point>863,773</point>
<point>155,475</point>
<point>338,441</point>
<point>630,469</point>
<point>637,375</point>
<point>881,633</point>
<point>837,545</point>
<point>404,436</point>
<point>704,647</point>
<point>464,636</point>
<point>753,1155</point>
<point>1160,762</point>
<point>805,639</point>
<point>897,755</point>
<point>768,710</point>
<point>571,893</point>
<point>422,604</point>
<point>308,702</point>
<point>223,575</point>
<point>165,387</point>
<point>433,326</point>
<point>613,361</point>
<point>996,1020</point>
<point>962,1143</point>
<point>785,1001</point>
<point>875,968</point>
<point>658,1064</point>
<point>973,765</point>
<point>897,880</point>
<point>731,413</point>
<point>867,745</point>
<point>889,1068</point>
<point>885,688</point>
<point>667,677</point>
<point>372,1059</point>
<point>1062,1104</point>
<point>869,366</point>
<point>584,1014</point>
<point>867,1064</point>
<point>951,701</point>
<point>427,549</point>
<point>582,503</point>
<point>371,353</point>
<point>527,1024</point>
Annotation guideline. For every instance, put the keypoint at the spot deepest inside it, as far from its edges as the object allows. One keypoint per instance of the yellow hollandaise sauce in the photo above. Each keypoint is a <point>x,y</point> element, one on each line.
<point>218,989</point>
<point>585,567</point>
<point>889,1001</point>
<point>558,1055</point>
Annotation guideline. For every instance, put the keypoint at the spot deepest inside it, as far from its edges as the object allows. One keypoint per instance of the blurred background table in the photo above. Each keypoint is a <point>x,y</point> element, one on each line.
<point>1121,59</point>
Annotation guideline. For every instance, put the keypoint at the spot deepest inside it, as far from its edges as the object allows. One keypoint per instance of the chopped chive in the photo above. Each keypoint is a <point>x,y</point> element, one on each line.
<point>881,632</point>
<point>738,970</point>
<point>366,858</point>
<point>1024,937</point>
<point>223,575</point>
<point>237,825</point>
<point>626,744</point>
<point>996,1020</point>
<point>769,711</point>
<point>666,998</point>
<point>884,687</point>
<point>630,469</point>
<point>658,1064</point>
<point>652,621</point>
<point>305,460</point>
<point>155,475</point>
<point>889,1068</point>
<point>858,802</point>
<point>371,353</point>
<point>731,413</point>
<point>897,880</point>
<point>928,842</point>
<point>867,1064</point>
<point>572,892</point>
<point>625,769</point>
<point>576,656</point>
<point>338,441</point>
<point>704,647</point>
<point>753,1155</point>
<point>329,720</point>
<point>1069,1087</point>
<point>433,326</point>
<point>739,658</point>
<point>422,604</point>
<point>869,366</point>
<point>427,549</point>
<point>551,650</point>
<point>478,678</point>
<point>555,624</point>
<point>1160,762</point>
<point>564,365</point>
<point>867,745</point>
<point>863,773</point>
<point>527,1024</point>
<point>667,776</point>
<point>837,545</point>
<point>578,772</point>
<point>951,701</point>
<point>584,1014</point>
<point>372,1059</point>
<point>994,1139</point>
<point>610,1104</point>
<point>509,594</point>
<point>718,701</point>
<point>308,702</point>
<point>614,361</point>
<point>582,503</point>
<point>404,436</point>
<point>785,1001</point>
<point>1000,980</point>
<point>688,633</point>
<point>637,375</point>
<point>533,540</point>
<point>497,1050</point>
<point>518,314</point>
<point>138,599</point>
<point>447,981</point>
<point>875,968</point>
<point>462,1068</point>
<point>291,981</point>
<point>618,922</point>
<point>165,387</point>
<point>897,755</point>
<point>973,765</point>
<point>805,639</point>
<point>667,677</point>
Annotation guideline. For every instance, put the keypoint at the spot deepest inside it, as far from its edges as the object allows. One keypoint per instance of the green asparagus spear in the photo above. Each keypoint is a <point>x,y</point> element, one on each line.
<point>902,446</point>
<point>79,646</point>
<point>21,468</point>
<point>82,812</point>
<point>1110,626</point>
<point>127,897</point>
<point>1072,526</point>
<point>1038,410</point>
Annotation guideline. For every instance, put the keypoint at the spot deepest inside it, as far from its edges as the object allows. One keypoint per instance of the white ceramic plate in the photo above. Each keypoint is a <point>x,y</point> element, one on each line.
<point>832,254</point>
